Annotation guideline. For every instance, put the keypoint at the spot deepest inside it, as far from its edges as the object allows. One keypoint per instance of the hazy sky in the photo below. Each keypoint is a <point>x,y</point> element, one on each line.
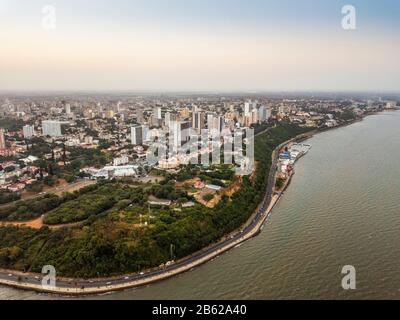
<point>269,45</point>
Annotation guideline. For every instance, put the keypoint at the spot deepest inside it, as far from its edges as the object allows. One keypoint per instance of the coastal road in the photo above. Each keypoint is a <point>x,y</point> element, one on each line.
<point>96,286</point>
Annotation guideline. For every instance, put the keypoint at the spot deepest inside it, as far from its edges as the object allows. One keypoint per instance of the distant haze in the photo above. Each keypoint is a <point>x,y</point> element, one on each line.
<point>199,45</point>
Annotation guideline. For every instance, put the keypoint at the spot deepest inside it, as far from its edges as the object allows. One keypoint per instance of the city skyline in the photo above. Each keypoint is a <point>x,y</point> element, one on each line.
<point>199,46</point>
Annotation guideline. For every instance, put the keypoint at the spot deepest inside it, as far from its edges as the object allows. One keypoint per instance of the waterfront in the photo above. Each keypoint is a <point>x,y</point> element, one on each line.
<point>341,208</point>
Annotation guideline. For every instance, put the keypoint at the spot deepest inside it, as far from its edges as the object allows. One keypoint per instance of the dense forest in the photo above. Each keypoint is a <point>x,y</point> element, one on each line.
<point>118,232</point>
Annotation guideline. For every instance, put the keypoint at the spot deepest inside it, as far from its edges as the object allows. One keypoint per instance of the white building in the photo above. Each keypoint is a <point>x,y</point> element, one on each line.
<point>215,123</point>
<point>391,105</point>
<point>264,114</point>
<point>145,133</point>
<point>198,121</point>
<point>167,120</point>
<point>29,131</point>
<point>2,139</point>
<point>254,116</point>
<point>179,132</point>
<point>137,135</point>
<point>51,128</point>
<point>117,172</point>
<point>68,108</point>
<point>158,113</point>
<point>247,108</point>
<point>121,161</point>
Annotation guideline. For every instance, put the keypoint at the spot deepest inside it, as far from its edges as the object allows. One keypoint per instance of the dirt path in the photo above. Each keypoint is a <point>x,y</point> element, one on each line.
<point>37,224</point>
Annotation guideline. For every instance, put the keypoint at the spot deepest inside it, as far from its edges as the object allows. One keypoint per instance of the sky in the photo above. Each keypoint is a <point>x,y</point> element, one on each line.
<point>198,45</point>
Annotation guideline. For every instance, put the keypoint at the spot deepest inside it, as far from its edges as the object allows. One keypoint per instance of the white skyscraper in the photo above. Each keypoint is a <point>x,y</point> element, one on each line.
<point>210,121</point>
<point>167,119</point>
<point>254,116</point>
<point>51,128</point>
<point>145,133</point>
<point>158,113</point>
<point>68,108</point>
<point>215,123</point>
<point>2,139</point>
<point>29,131</point>
<point>247,108</point>
<point>198,121</point>
<point>180,132</point>
<point>137,135</point>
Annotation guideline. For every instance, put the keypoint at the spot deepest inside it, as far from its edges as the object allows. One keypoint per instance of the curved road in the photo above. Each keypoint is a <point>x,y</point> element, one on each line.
<point>86,287</point>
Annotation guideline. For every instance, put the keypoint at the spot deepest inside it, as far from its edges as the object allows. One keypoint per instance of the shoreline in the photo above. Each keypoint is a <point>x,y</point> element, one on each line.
<point>251,228</point>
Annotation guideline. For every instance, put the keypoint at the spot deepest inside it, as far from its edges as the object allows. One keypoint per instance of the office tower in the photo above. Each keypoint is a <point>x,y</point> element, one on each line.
<point>179,132</point>
<point>198,121</point>
<point>158,113</point>
<point>137,135</point>
<point>2,139</point>
<point>29,131</point>
<point>51,128</point>
<point>145,133</point>
<point>210,121</point>
<point>167,119</point>
<point>219,123</point>
<point>215,123</point>
<point>68,108</point>
<point>247,108</point>
<point>254,116</point>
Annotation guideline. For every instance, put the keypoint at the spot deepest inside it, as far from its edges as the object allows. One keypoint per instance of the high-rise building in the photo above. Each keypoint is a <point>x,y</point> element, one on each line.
<point>145,133</point>
<point>215,123</point>
<point>51,128</point>
<point>67,108</point>
<point>29,131</point>
<point>2,139</point>
<point>210,120</point>
<point>167,119</point>
<point>219,123</point>
<point>198,121</point>
<point>254,116</point>
<point>247,108</point>
<point>179,132</point>
<point>158,113</point>
<point>137,135</point>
